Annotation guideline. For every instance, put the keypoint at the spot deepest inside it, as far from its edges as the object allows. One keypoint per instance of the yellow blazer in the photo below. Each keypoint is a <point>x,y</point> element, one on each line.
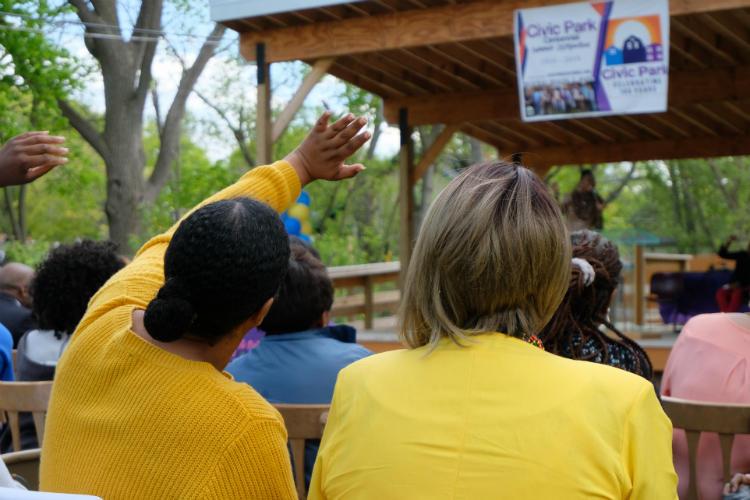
<point>497,419</point>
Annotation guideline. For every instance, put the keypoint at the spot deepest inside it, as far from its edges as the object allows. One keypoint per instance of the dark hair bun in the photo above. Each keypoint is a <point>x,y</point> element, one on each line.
<point>169,316</point>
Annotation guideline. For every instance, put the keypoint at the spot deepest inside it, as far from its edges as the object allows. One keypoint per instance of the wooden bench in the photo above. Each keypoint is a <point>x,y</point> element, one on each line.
<point>33,397</point>
<point>302,422</point>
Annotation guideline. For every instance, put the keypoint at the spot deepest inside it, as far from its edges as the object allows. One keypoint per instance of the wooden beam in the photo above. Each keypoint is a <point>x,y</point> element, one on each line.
<point>411,28</point>
<point>455,107</point>
<point>406,196</point>
<point>686,87</point>
<point>488,138</point>
<point>433,152</point>
<point>319,69</point>
<point>664,149</point>
<point>263,127</point>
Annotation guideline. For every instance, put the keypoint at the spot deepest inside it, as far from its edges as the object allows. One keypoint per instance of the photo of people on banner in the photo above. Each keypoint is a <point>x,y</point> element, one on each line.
<point>592,59</point>
<point>560,98</point>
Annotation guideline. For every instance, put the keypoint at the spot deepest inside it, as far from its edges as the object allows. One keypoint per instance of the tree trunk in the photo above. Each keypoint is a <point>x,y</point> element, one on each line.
<point>477,155</point>
<point>376,131</point>
<point>675,188</point>
<point>126,72</point>
<point>389,225</point>
<point>22,212</point>
<point>731,200</point>
<point>11,212</point>
<point>427,139</point>
<point>327,213</point>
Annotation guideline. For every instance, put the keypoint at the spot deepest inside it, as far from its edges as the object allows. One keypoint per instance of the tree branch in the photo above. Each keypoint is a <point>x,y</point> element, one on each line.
<point>717,175</point>
<point>551,174</point>
<point>172,125</point>
<point>239,134</point>
<point>624,182</point>
<point>84,127</point>
<point>159,123</point>
<point>144,53</point>
<point>85,14</point>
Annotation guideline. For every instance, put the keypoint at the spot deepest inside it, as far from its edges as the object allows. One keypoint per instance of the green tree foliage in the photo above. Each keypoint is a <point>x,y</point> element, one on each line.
<point>35,71</point>
<point>691,205</point>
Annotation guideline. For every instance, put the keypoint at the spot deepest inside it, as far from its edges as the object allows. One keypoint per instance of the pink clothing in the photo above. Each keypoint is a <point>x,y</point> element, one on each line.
<point>709,362</point>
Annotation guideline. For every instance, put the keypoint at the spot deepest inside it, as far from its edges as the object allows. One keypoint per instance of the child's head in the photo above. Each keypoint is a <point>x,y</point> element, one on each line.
<point>305,297</point>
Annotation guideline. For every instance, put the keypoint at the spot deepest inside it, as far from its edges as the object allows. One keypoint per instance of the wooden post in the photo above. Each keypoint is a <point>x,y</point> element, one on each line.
<point>264,127</point>
<point>369,303</point>
<point>639,281</point>
<point>406,194</point>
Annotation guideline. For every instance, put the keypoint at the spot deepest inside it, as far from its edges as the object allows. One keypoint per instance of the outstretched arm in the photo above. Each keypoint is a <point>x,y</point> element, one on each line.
<point>321,155</point>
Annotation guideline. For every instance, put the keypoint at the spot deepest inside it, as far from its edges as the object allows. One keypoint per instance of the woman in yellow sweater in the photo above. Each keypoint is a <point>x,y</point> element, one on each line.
<point>141,407</point>
<point>472,410</point>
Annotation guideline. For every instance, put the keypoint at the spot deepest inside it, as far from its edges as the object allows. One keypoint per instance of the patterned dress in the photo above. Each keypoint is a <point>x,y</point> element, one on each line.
<point>619,355</point>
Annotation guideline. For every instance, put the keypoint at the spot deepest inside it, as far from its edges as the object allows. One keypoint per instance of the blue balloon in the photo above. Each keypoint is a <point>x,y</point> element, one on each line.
<point>305,238</point>
<point>304,198</point>
<point>283,216</point>
<point>293,226</point>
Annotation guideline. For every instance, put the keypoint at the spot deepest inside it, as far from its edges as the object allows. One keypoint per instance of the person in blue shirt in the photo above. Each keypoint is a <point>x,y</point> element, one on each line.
<point>6,355</point>
<point>299,359</point>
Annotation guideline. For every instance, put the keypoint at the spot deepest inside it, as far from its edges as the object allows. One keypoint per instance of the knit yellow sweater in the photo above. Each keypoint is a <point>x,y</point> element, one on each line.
<point>128,420</point>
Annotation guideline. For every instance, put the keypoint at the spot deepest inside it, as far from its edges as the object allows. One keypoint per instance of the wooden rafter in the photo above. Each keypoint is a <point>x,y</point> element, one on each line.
<point>728,84</point>
<point>415,27</point>
<point>642,151</point>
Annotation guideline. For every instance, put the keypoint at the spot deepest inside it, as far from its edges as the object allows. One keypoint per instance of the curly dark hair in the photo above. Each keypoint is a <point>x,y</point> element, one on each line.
<point>224,262</point>
<point>575,324</point>
<point>66,280</point>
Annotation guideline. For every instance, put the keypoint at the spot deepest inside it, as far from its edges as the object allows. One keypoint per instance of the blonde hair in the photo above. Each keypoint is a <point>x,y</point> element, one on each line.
<point>493,255</point>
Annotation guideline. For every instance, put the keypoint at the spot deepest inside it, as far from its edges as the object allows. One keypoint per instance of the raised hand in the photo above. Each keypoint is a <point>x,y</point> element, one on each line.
<point>322,153</point>
<point>28,156</point>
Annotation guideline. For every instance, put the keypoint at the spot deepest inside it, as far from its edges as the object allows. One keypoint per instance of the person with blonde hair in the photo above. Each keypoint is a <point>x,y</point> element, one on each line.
<point>474,408</point>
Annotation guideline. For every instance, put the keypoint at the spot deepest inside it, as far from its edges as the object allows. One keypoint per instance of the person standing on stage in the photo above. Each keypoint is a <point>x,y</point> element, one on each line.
<point>731,295</point>
<point>583,207</point>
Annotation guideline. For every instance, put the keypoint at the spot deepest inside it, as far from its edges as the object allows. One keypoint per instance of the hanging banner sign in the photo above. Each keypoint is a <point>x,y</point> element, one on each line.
<point>592,59</point>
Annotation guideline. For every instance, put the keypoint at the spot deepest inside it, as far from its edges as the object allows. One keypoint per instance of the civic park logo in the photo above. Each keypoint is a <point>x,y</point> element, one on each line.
<point>634,40</point>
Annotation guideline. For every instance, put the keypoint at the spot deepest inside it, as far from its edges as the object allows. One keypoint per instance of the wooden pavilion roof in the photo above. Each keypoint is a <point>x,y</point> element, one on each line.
<point>452,62</point>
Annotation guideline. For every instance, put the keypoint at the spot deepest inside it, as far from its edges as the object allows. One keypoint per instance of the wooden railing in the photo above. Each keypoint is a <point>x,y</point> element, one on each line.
<point>365,276</point>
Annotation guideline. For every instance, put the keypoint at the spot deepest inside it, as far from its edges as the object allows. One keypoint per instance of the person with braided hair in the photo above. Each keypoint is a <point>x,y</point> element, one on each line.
<point>574,330</point>
<point>141,406</point>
